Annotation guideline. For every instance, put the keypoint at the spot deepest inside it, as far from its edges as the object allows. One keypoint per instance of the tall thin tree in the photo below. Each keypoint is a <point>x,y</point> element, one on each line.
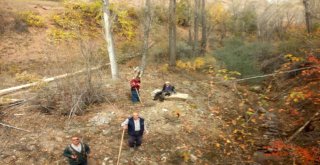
<point>190,23</point>
<point>147,25</point>
<point>172,33</point>
<point>204,27</point>
<point>196,28</point>
<point>109,40</point>
<point>306,4</point>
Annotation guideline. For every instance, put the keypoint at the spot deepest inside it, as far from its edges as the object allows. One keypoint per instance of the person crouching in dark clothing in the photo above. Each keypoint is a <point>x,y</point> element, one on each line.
<point>167,90</point>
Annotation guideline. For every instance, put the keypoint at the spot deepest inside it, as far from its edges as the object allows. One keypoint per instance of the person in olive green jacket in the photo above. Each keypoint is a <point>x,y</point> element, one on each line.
<point>77,152</point>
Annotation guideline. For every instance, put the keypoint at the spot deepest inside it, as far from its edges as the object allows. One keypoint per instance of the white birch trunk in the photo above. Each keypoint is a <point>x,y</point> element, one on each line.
<point>108,38</point>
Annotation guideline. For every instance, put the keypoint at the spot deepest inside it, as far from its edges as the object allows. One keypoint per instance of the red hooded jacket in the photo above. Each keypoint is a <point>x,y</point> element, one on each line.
<point>135,84</point>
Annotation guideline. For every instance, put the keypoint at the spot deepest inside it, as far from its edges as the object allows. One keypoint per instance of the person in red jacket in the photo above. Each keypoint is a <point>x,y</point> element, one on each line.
<point>135,87</point>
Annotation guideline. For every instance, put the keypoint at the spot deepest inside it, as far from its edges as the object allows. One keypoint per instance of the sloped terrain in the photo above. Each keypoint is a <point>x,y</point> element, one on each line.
<point>181,131</point>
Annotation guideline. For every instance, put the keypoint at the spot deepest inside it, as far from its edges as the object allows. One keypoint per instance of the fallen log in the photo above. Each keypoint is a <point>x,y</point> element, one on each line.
<point>11,102</point>
<point>178,96</point>
<point>302,128</point>
<point>47,80</point>
<point>9,126</point>
<point>172,96</point>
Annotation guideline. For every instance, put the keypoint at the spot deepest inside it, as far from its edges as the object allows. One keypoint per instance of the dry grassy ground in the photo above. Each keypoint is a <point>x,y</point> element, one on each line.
<point>204,129</point>
<point>173,139</point>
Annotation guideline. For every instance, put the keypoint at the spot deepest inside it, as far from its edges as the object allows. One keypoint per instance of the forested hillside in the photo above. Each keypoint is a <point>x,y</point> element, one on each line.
<point>246,73</point>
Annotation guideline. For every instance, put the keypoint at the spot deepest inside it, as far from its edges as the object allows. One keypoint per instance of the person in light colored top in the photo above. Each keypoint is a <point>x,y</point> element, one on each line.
<point>136,129</point>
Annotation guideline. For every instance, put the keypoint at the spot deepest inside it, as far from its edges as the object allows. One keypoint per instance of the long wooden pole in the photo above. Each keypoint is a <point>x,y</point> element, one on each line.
<point>301,128</point>
<point>138,95</point>
<point>120,147</point>
<point>21,129</point>
<point>46,80</point>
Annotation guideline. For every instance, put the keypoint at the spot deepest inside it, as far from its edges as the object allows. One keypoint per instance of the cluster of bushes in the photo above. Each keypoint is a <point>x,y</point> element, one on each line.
<point>87,18</point>
<point>69,96</point>
<point>72,95</point>
<point>243,57</point>
<point>198,63</point>
<point>31,18</point>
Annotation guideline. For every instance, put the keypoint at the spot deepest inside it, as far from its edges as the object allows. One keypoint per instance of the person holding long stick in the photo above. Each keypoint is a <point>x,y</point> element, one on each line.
<point>136,129</point>
<point>135,87</point>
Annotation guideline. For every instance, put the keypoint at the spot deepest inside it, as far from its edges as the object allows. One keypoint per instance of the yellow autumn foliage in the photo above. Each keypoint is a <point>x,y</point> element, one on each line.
<point>195,64</point>
<point>217,13</point>
<point>228,75</point>
<point>293,58</point>
<point>32,19</point>
<point>164,68</point>
<point>296,97</point>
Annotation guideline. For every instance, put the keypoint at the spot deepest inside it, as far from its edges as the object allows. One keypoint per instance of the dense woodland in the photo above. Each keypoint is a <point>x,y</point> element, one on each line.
<point>251,67</point>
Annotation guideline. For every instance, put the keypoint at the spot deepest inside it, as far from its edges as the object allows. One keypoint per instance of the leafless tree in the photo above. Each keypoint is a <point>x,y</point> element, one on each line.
<point>306,4</point>
<point>147,25</point>
<point>172,33</point>
<point>189,19</point>
<point>204,27</point>
<point>196,27</point>
<point>275,19</point>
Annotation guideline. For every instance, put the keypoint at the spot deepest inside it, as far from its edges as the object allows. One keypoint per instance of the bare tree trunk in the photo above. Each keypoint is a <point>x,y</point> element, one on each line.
<point>196,27</point>
<point>306,4</point>
<point>108,38</point>
<point>189,20</point>
<point>204,27</point>
<point>190,36</point>
<point>172,33</point>
<point>147,25</point>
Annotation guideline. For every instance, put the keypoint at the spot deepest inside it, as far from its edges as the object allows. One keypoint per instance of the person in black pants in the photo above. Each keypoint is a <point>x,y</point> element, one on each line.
<point>136,128</point>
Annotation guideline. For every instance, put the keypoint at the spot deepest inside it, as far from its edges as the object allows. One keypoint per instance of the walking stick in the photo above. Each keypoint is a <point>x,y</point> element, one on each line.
<point>138,95</point>
<point>120,147</point>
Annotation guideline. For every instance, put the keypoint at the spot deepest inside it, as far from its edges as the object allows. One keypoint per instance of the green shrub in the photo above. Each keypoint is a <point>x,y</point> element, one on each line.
<point>249,19</point>
<point>243,57</point>
<point>182,12</point>
<point>87,17</point>
<point>60,34</point>
<point>159,52</point>
<point>79,19</point>
<point>31,18</point>
<point>292,45</point>
<point>126,20</point>
<point>80,15</point>
<point>160,15</point>
<point>128,49</point>
<point>184,50</point>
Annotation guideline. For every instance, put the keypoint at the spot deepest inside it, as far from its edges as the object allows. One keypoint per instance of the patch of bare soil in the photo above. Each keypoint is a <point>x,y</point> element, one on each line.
<point>27,49</point>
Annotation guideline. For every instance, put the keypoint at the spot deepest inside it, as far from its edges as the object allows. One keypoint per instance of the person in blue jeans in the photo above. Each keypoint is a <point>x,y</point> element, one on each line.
<point>135,87</point>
